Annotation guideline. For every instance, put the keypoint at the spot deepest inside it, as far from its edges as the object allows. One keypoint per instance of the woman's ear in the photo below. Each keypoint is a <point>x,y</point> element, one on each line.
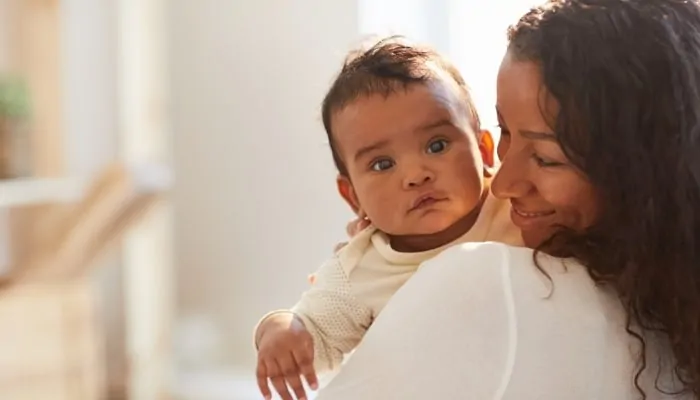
<point>486,148</point>
<point>347,192</point>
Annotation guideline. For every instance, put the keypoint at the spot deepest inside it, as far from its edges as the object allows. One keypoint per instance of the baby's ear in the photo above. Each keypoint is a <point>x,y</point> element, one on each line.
<point>486,148</point>
<point>347,192</point>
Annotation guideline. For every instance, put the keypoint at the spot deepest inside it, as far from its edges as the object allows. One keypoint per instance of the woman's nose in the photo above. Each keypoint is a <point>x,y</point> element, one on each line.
<point>512,179</point>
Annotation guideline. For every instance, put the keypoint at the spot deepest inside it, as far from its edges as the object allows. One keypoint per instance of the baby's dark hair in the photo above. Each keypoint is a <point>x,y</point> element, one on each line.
<point>390,65</point>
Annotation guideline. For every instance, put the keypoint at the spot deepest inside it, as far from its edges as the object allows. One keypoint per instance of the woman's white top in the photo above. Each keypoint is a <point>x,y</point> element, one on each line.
<point>480,321</point>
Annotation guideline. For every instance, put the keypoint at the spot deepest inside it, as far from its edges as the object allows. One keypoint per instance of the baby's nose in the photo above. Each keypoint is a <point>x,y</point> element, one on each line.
<point>418,178</point>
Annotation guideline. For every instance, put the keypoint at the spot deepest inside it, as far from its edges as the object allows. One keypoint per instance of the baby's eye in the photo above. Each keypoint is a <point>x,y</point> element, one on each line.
<point>382,165</point>
<point>437,146</point>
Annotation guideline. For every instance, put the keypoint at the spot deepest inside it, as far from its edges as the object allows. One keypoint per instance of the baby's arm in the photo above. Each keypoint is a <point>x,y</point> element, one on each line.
<point>332,315</point>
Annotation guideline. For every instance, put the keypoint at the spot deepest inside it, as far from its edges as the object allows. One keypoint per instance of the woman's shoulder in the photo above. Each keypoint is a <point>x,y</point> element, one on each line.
<point>486,307</point>
<point>554,313</point>
<point>505,253</point>
<point>517,266</point>
<point>541,288</point>
<point>511,328</point>
<point>479,253</point>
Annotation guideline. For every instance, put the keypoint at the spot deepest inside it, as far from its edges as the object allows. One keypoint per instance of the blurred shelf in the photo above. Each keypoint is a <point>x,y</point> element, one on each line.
<point>149,178</point>
<point>32,191</point>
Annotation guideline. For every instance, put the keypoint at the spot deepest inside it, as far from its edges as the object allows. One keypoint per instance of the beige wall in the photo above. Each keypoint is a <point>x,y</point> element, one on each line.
<point>256,208</point>
<point>8,35</point>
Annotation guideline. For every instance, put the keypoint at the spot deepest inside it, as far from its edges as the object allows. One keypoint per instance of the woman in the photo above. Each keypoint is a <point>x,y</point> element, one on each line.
<point>599,103</point>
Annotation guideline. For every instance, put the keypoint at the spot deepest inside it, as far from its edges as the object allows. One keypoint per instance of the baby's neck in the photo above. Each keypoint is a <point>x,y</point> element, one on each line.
<point>418,243</point>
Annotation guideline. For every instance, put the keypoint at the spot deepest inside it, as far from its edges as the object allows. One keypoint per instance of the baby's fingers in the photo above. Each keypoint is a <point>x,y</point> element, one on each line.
<point>305,360</point>
<point>277,377</point>
<point>290,370</point>
<point>261,375</point>
<point>294,381</point>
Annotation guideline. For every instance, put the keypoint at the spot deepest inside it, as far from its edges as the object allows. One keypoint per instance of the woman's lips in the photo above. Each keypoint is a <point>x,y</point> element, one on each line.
<point>530,219</point>
<point>531,214</point>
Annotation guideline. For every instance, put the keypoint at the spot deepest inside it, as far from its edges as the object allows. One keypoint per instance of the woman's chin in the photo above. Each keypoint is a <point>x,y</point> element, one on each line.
<point>535,238</point>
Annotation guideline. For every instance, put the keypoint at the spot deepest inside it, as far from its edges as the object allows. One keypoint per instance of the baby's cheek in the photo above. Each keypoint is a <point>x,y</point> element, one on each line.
<point>377,202</point>
<point>468,188</point>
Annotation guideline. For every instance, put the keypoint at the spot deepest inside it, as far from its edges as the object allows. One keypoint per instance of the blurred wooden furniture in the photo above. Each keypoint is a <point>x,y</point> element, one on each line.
<point>48,315</point>
<point>81,232</point>
<point>53,232</point>
<point>52,342</point>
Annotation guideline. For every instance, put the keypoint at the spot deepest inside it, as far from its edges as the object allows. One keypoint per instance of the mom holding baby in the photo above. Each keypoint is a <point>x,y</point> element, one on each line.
<point>599,104</point>
<point>599,108</point>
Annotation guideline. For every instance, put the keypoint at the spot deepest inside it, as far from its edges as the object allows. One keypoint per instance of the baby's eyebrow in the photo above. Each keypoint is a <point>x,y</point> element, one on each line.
<point>436,124</point>
<point>368,149</point>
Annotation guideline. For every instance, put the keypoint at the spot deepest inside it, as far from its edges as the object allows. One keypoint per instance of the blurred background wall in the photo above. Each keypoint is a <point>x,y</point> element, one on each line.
<point>226,94</point>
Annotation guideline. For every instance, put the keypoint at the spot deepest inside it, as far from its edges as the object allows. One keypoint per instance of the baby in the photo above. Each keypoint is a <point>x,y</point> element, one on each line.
<point>413,160</point>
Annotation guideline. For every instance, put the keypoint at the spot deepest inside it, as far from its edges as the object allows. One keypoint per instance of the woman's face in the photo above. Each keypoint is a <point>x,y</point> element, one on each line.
<point>544,189</point>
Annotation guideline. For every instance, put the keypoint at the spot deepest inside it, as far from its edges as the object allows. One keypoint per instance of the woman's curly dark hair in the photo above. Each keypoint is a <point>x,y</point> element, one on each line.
<point>626,75</point>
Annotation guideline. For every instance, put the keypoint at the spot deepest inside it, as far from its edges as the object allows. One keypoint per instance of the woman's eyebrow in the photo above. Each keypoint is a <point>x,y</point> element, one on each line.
<point>529,134</point>
<point>533,135</point>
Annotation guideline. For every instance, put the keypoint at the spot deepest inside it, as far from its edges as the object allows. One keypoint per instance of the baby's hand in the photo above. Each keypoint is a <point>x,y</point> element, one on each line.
<point>285,354</point>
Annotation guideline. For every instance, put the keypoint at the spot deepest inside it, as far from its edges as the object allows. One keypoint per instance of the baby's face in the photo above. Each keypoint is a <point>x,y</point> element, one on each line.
<point>414,163</point>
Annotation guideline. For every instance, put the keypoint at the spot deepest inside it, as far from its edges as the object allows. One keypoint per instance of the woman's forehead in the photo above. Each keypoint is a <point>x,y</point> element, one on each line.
<point>518,80</point>
<point>522,96</point>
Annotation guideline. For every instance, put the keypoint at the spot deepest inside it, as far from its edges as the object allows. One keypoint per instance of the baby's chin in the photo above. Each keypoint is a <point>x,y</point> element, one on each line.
<point>429,226</point>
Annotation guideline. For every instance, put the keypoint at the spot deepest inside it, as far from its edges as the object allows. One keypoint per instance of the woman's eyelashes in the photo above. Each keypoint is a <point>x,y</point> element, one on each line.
<point>545,162</point>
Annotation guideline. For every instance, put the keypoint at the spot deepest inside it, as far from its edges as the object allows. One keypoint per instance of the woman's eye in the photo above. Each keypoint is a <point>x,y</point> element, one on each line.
<point>382,165</point>
<point>544,162</point>
<point>437,146</point>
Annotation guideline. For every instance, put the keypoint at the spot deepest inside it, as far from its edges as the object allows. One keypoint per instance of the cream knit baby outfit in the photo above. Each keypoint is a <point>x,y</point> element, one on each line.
<point>351,288</point>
